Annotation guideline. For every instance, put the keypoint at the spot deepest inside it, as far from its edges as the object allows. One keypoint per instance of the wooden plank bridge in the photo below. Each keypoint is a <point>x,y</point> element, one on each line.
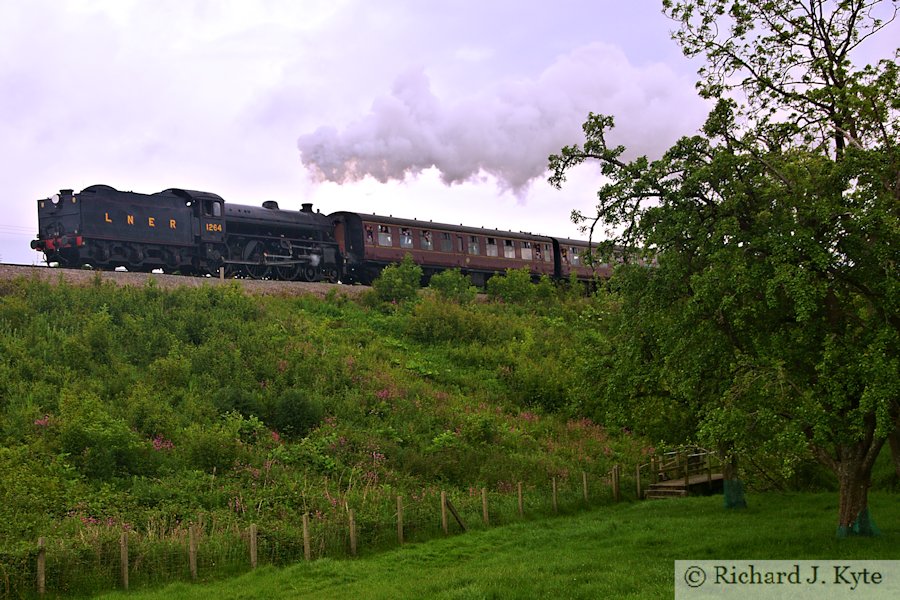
<point>683,472</point>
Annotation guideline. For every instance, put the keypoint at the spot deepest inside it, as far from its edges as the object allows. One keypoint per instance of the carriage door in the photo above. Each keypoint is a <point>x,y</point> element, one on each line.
<point>212,221</point>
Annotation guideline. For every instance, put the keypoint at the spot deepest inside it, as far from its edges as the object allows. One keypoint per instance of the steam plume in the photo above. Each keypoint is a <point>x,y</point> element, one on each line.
<point>510,129</point>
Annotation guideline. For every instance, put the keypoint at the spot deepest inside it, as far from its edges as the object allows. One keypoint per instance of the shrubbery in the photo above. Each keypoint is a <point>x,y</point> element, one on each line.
<point>516,287</point>
<point>139,405</point>
<point>293,413</point>
<point>453,286</point>
<point>399,282</point>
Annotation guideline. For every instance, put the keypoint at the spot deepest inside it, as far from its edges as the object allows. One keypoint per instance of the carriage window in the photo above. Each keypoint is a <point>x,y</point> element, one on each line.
<point>548,255</point>
<point>446,242</point>
<point>473,244</point>
<point>459,244</point>
<point>564,252</point>
<point>526,250</point>
<point>509,249</point>
<point>405,238</point>
<point>425,240</point>
<point>384,236</point>
<point>492,247</point>
<point>370,235</point>
<point>576,257</point>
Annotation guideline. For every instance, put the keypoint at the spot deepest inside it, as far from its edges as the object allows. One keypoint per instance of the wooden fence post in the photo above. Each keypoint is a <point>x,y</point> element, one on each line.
<point>444,523</point>
<point>637,480</point>
<point>521,503</point>
<point>352,533</point>
<point>555,503</point>
<point>42,566</point>
<point>686,469</point>
<point>400,520</point>
<point>307,551</point>
<point>192,551</point>
<point>456,516</point>
<point>253,545</point>
<point>584,486</point>
<point>484,507</point>
<point>123,558</point>
<point>615,483</point>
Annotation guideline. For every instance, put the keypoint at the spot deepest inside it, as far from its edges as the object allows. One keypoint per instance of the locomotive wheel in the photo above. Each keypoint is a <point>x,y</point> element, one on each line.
<point>254,251</point>
<point>310,274</point>
<point>235,252</point>
<point>289,272</point>
<point>172,260</point>
<point>135,259</point>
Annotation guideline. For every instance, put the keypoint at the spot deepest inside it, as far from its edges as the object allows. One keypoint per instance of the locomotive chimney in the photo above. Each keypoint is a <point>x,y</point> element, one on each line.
<point>306,207</point>
<point>65,196</point>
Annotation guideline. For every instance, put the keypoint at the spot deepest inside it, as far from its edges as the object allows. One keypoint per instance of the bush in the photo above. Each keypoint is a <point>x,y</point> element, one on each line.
<point>235,399</point>
<point>400,282</point>
<point>515,287</point>
<point>453,286</point>
<point>209,448</point>
<point>433,320</point>
<point>532,382</point>
<point>99,445</point>
<point>293,414</point>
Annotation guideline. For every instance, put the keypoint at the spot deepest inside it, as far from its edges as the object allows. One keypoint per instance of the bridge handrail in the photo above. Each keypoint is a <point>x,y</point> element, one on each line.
<point>681,463</point>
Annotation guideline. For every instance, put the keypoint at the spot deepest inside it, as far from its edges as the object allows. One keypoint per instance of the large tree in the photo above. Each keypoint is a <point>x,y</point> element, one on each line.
<point>770,311</point>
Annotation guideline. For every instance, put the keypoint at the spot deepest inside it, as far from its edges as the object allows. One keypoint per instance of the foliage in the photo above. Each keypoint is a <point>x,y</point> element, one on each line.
<point>399,282</point>
<point>294,413</point>
<point>145,409</point>
<point>433,321</point>
<point>514,287</point>
<point>453,286</point>
<point>770,314</point>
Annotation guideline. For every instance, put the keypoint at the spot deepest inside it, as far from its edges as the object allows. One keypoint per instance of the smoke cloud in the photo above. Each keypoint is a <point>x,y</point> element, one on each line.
<point>508,130</point>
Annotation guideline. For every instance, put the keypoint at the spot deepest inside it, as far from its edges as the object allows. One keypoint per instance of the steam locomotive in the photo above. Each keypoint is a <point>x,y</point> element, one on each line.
<point>193,232</point>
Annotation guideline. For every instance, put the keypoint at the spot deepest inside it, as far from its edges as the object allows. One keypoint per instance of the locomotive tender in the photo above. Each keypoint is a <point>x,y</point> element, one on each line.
<point>198,232</point>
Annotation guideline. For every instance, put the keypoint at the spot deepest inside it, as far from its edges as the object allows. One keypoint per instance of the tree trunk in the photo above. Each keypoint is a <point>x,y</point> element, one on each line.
<point>732,487</point>
<point>854,471</point>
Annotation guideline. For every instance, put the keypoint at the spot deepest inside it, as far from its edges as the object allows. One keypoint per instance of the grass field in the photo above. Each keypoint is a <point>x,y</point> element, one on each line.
<point>623,551</point>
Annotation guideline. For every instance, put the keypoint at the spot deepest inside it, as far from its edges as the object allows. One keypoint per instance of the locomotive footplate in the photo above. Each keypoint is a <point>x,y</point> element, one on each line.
<point>280,262</point>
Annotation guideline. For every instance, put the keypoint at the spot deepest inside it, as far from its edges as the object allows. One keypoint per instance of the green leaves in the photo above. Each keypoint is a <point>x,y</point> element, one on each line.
<point>399,282</point>
<point>775,235</point>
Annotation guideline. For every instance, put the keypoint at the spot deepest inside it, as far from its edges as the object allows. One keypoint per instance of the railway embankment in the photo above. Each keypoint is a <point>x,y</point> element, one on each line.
<point>124,278</point>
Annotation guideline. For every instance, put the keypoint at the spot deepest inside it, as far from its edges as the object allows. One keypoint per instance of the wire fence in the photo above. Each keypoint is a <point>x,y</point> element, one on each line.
<point>104,559</point>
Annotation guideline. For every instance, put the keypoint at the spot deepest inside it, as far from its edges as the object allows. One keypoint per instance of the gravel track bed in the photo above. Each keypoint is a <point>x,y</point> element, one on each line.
<point>251,286</point>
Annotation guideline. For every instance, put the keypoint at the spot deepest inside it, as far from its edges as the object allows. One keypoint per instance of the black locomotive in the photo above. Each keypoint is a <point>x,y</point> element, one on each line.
<point>187,231</point>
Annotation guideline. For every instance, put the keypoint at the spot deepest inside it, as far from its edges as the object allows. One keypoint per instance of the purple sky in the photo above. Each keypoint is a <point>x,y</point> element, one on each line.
<point>444,111</point>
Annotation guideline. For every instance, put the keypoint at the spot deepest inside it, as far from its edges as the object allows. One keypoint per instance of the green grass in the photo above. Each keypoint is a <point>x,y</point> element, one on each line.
<point>622,551</point>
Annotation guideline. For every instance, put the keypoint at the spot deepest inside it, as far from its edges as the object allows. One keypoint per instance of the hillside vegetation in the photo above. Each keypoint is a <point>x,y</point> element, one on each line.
<point>143,410</point>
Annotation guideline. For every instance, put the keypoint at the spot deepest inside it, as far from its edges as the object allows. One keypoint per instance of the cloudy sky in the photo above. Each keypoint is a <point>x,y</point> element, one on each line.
<point>431,110</point>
